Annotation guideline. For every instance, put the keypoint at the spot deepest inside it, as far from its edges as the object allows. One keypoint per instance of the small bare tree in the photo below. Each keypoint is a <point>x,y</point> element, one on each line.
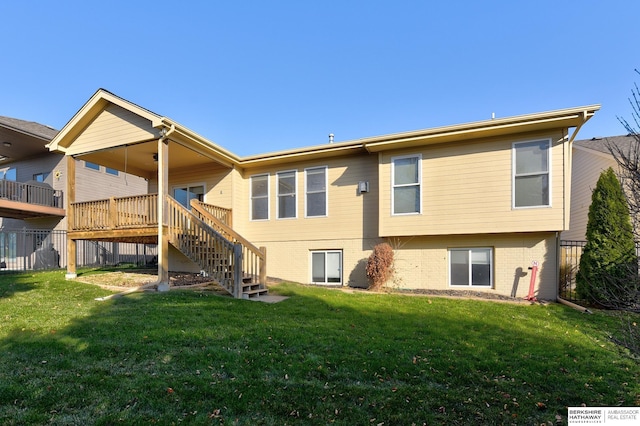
<point>628,158</point>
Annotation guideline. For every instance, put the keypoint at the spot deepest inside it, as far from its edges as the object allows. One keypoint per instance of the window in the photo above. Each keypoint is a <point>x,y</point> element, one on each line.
<point>287,195</point>
<point>111,171</point>
<point>9,174</point>
<point>184,195</point>
<point>92,166</point>
<point>470,267</point>
<point>316,192</point>
<point>531,174</point>
<point>326,267</point>
<point>405,182</point>
<point>40,177</point>
<point>260,197</point>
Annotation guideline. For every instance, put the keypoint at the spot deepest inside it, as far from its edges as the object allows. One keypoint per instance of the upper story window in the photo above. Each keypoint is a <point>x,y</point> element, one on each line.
<point>531,179</point>
<point>287,200</point>
<point>8,174</point>
<point>316,191</point>
<point>406,178</point>
<point>260,197</point>
<point>111,171</point>
<point>40,177</point>
<point>92,166</point>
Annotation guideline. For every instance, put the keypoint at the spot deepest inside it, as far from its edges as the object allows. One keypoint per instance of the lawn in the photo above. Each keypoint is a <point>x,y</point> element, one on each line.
<point>322,356</point>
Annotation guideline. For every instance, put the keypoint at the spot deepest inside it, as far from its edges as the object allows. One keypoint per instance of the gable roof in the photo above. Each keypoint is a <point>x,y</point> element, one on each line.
<point>21,139</point>
<point>30,128</point>
<point>601,144</point>
<point>565,118</point>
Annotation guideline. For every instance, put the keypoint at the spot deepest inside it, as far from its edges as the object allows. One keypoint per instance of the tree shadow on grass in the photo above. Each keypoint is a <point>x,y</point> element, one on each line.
<point>12,283</point>
<point>321,356</point>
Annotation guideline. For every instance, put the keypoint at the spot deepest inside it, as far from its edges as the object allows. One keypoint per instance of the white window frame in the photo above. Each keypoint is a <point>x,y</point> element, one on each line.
<point>306,191</point>
<point>514,175</point>
<point>340,267</point>
<point>251,197</point>
<point>394,186</point>
<point>188,186</point>
<point>295,193</point>
<point>470,250</point>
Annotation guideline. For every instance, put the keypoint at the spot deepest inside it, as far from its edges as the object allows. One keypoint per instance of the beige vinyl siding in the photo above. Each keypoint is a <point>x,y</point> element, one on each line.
<point>97,185</point>
<point>216,179</point>
<point>350,214</point>
<point>467,189</point>
<point>114,126</point>
<point>585,169</point>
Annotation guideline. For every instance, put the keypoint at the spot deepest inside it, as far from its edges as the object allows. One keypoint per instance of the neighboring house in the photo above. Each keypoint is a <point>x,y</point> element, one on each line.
<point>32,186</point>
<point>590,158</point>
<point>467,206</point>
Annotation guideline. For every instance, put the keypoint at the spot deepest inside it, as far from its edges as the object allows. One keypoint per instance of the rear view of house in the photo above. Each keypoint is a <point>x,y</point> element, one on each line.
<point>467,206</point>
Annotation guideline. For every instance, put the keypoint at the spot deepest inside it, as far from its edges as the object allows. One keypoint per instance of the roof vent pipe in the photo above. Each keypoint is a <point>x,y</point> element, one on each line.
<point>330,137</point>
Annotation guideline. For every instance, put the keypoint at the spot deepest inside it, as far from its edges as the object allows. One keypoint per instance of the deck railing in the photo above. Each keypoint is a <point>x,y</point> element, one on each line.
<point>254,259</point>
<point>115,213</point>
<point>30,193</point>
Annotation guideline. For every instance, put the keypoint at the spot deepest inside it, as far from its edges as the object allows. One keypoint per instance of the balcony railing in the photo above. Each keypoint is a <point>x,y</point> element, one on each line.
<point>39,194</point>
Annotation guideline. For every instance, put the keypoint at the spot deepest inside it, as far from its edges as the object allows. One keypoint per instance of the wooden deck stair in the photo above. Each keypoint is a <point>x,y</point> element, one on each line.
<point>225,256</point>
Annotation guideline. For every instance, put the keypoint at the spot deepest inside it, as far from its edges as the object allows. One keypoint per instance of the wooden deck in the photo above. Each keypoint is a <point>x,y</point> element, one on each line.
<point>203,235</point>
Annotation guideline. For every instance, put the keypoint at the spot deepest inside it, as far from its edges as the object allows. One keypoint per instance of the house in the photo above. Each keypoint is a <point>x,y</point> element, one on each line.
<point>467,206</point>
<point>590,158</point>
<point>32,186</point>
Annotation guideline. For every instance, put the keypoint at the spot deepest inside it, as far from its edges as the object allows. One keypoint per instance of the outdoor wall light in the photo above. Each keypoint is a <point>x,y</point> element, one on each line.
<point>7,144</point>
<point>155,157</point>
<point>363,187</point>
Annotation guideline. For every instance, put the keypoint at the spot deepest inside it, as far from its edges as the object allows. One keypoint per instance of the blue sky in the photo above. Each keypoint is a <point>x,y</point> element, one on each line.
<point>261,76</point>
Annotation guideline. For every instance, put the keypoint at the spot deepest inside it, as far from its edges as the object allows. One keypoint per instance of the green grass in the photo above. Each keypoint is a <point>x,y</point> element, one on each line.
<point>322,356</point>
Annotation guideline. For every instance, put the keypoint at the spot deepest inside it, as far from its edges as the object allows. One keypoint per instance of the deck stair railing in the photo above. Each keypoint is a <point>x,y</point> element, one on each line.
<point>217,255</point>
<point>254,259</point>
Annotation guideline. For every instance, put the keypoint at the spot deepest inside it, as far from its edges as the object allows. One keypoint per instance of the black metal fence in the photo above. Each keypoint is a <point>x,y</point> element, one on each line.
<point>38,249</point>
<point>570,252</point>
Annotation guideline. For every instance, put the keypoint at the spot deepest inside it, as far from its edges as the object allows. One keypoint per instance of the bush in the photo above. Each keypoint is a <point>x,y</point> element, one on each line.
<point>380,265</point>
<point>608,273</point>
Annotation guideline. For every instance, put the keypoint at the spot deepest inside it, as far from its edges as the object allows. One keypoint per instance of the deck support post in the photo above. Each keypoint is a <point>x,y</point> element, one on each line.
<point>263,267</point>
<point>163,220</point>
<point>70,199</point>
<point>237,271</point>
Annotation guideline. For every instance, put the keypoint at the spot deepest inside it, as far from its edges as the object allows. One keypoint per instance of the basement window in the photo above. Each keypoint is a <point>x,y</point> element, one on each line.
<point>471,267</point>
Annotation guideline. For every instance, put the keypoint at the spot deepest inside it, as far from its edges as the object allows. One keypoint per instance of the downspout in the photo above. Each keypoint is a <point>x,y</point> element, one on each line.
<point>568,173</point>
<point>164,133</point>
